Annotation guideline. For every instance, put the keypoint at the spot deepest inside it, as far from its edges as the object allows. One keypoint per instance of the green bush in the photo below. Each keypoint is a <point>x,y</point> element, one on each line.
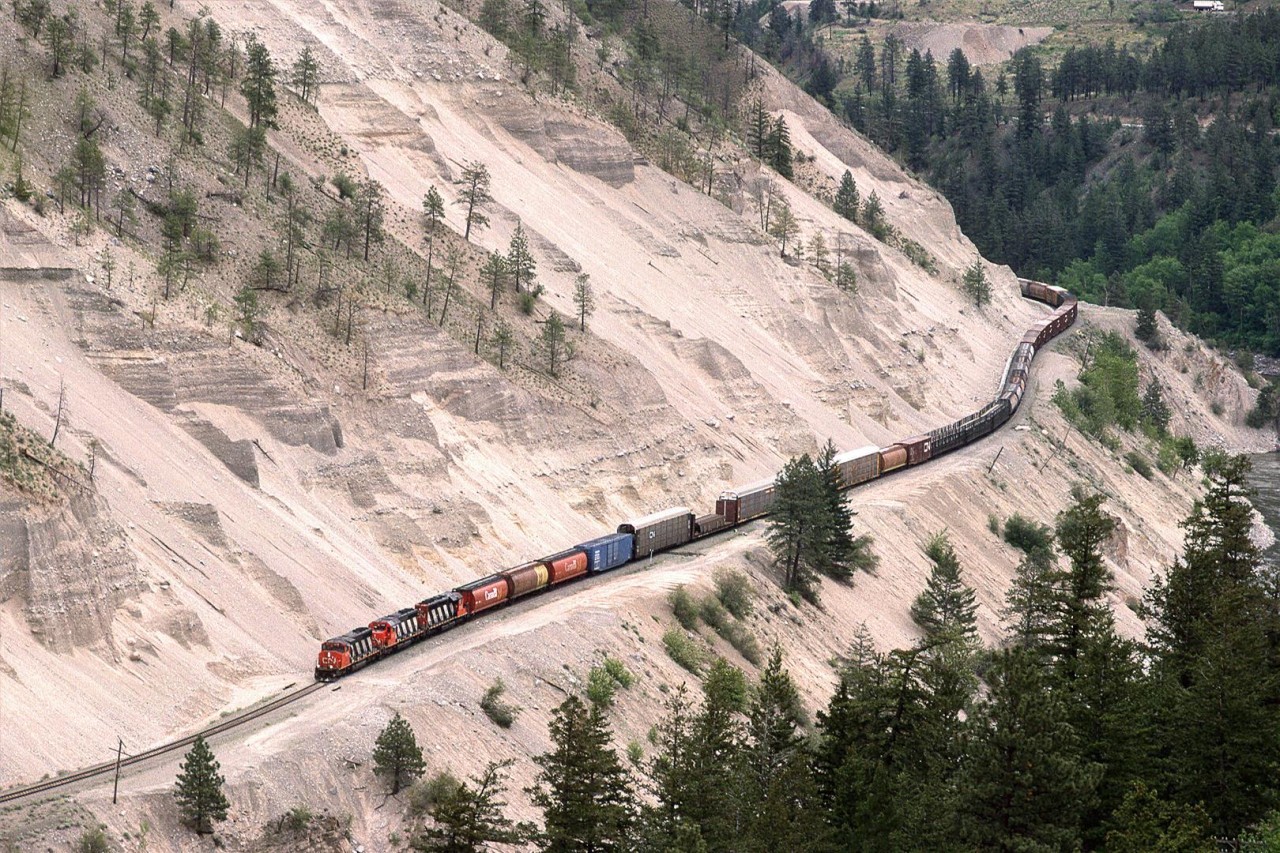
<point>1108,391</point>
<point>635,752</point>
<point>297,818</point>
<point>425,793</point>
<point>714,614</point>
<point>600,688</point>
<point>1139,463</point>
<point>93,841</point>
<point>502,713</point>
<point>345,185</point>
<point>735,593</point>
<point>1027,535</point>
<point>683,650</point>
<point>685,608</point>
<point>618,672</point>
<point>741,638</point>
<point>993,523</point>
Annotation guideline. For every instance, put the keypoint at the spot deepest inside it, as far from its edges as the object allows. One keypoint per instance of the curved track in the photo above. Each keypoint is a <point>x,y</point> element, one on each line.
<point>108,767</point>
<point>940,441</point>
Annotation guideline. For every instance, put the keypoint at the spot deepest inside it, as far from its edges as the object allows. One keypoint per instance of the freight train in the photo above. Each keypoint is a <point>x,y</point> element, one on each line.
<point>642,537</point>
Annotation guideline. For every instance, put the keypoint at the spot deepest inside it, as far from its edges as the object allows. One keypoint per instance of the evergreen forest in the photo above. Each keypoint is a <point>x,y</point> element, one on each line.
<point>1135,178</point>
<point>1065,735</point>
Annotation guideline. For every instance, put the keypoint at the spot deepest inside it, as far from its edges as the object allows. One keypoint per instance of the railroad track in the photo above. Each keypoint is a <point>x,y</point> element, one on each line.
<point>108,767</point>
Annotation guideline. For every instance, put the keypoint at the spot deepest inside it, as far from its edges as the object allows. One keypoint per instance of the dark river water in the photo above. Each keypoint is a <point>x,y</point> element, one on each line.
<point>1265,480</point>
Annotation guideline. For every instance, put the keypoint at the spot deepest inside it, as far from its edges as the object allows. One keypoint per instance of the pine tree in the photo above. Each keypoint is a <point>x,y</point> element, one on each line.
<point>784,226</point>
<point>554,346</point>
<point>503,339</point>
<point>696,774</point>
<point>779,148</point>
<point>199,789</point>
<point>873,217</point>
<point>397,757</point>
<point>1024,784</point>
<point>946,609</point>
<point>470,817</point>
<point>780,795</point>
<point>845,553</point>
<point>494,276</point>
<point>306,75</point>
<point>584,792</point>
<point>258,85</point>
<point>1082,529</point>
<point>758,128</point>
<point>520,261</point>
<point>798,533</point>
<point>1032,601</point>
<point>370,212</point>
<point>1212,645</point>
<point>1145,822</point>
<point>1155,412</point>
<point>433,212</point>
<point>975,284</point>
<point>846,203</point>
<point>1146,329</point>
<point>583,299</point>
<point>473,195</point>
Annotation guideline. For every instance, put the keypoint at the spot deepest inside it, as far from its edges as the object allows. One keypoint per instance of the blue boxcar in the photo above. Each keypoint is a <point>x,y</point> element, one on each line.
<point>608,552</point>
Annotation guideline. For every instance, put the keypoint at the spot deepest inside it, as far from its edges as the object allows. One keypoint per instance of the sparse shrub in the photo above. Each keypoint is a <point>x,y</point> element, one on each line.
<point>93,841</point>
<point>735,593</point>
<point>618,672</point>
<point>425,793</point>
<point>741,638</point>
<point>500,712</point>
<point>527,301</point>
<point>685,608</point>
<point>683,651</point>
<point>297,818</point>
<point>993,523</point>
<point>1139,463</point>
<point>714,614</point>
<point>600,688</point>
<point>345,184</point>
<point>635,752</point>
<point>1216,408</point>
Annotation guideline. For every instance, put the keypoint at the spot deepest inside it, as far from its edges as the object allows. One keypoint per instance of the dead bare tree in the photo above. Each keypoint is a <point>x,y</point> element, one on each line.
<point>57,420</point>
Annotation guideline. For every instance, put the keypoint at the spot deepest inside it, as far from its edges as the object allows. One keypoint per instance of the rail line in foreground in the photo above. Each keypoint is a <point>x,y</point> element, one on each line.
<point>232,722</point>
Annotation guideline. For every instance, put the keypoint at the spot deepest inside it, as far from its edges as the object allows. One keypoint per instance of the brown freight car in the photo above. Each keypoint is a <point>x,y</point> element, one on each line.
<point>526,578</point>
<point>858,466</point>
<point>748,502</point>
<point>892,458</point>
<point>919,449</point>
<point>705,525</point>
<point>660,530</point>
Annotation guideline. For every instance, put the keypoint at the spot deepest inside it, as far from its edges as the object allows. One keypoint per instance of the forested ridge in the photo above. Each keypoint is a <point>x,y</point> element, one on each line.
<point>1135,179</point>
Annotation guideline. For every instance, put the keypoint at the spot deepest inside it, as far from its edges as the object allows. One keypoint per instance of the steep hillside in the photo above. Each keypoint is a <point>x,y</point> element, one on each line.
<point>248,501</point>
